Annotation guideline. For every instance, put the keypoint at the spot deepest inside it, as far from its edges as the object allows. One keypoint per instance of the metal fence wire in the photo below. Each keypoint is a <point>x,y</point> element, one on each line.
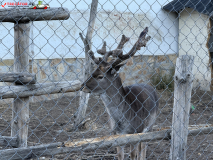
<point>106,79</point>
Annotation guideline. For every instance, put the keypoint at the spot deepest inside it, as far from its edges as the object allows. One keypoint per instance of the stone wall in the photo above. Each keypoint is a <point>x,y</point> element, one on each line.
<point>139,69</point>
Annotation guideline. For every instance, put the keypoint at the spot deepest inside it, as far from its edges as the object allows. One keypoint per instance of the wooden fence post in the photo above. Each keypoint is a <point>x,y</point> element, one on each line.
<point>21,19</point>
<point>84,97</point>
<point>183,80</point>
<point>20,115</point>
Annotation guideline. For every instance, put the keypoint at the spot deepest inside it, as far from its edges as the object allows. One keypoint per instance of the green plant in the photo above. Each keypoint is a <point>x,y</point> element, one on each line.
<point>163,81</point>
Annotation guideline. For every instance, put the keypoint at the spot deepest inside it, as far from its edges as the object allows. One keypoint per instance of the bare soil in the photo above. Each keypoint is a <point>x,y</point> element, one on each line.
<point>50,120</point>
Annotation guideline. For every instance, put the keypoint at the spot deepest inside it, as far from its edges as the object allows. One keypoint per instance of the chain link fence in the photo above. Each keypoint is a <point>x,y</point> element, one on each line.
<point>45,63</point>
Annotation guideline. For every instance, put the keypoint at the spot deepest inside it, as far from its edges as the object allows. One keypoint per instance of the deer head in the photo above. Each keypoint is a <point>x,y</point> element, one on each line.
<point>106,72</point>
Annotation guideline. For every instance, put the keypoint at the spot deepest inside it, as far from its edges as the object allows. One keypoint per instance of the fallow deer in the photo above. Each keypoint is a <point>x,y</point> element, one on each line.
<point>131,109</point>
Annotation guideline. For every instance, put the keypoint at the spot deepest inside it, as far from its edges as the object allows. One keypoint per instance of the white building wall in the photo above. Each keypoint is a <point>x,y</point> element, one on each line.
<point>60,39</point>
<point>193,39</point>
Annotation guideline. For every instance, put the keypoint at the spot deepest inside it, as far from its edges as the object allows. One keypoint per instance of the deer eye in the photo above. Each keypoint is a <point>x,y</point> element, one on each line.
<point>100,77</point>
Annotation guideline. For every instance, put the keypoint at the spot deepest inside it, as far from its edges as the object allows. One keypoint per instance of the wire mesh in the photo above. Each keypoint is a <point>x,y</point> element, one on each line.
<point>58,115</point>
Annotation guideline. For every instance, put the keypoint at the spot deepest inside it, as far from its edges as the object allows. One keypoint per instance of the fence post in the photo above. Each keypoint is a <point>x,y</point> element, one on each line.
<point>20,115</point>
<point>84,97</point>
<point>183,80</point>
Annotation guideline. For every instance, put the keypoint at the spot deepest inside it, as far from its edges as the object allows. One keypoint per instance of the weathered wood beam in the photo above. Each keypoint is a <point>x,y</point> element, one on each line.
<point>183,80</point>
<point>23,15</point>
<point>29,152</point>
<point>20,107</point>
<point>18,78</point>
<point>83,145</point>
<point>92,144</point>
<point>190,127</point>
<point>39,89</point>
<point>88,66</point>
<point>8,141</point>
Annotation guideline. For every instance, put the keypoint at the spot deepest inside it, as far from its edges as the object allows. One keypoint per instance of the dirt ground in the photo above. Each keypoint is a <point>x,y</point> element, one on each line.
<point>49,121</point>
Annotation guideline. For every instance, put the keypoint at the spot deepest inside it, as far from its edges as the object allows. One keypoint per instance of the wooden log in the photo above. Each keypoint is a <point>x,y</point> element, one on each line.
<point>18,78</point>
<point>24,15</point>
<point>83,145</point>
<point>8,141</point>
<point>29,152</point>
<point>183,79</point>
<point>92,144</point>
<point>39,89</point>
<point>190,127</point>
<point>20,109</point>
<point>201,131</point>
<point>84,97</point>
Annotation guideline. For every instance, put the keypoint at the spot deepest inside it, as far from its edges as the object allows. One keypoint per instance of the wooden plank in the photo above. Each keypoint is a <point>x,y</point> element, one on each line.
<point>92,144</point>
<point>18,78</point>
<point>39,89</point>
<point>183,80</point>
<point>24,15</point>
<point>8,141</point>
<point>20,108</point>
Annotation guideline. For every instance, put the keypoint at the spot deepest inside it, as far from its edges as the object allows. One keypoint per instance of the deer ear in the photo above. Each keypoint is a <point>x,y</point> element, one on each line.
<point>119,66</point>
<point>113,71</point>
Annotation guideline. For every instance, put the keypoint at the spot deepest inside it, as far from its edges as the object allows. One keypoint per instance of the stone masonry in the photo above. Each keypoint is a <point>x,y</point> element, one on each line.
<point>139,69</point>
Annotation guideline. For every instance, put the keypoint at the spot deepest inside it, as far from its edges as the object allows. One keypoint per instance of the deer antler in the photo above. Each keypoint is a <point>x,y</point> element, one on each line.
<point>124,39</point>
<point>88,50</point>
<point>141,42</point>
<point>102,51</point>
<point>114,53</point>
<point>118,53</point>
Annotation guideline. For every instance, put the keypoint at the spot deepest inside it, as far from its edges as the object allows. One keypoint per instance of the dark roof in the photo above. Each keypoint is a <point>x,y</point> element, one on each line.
<point>202,6</point>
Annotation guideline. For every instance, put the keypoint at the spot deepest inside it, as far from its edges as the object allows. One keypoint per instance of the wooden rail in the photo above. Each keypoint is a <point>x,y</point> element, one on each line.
<point>24,15</point>
<point>92,144</point>
<point>18,78</point>
<point>39,89</point>
<point>8,141</point>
